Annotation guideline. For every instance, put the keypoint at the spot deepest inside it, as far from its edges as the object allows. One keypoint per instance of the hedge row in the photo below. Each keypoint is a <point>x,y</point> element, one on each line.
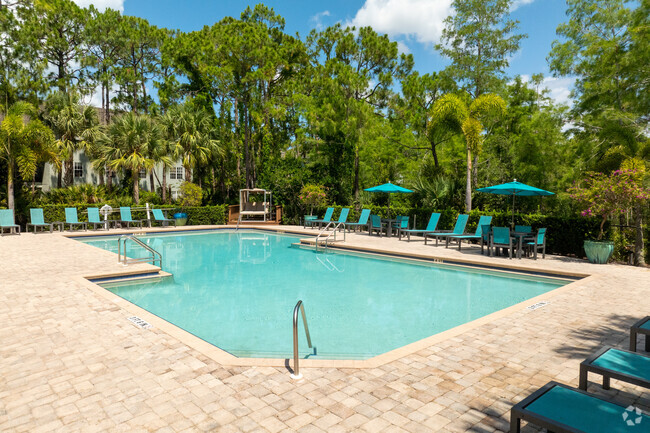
<point>565,236</point>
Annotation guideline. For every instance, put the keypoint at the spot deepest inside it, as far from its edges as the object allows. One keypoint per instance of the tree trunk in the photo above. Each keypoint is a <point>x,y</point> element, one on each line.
<point>188,174</point>
<point>108,103</point>
<point>69,174</point>
<point>109,180</point>
<point>136,186</point>
<point>100,175</point>
<point>435,155</point>
<point>164,184</point>
<point>10,185</point>
<point>639,259</point>
<point>356,172</point>
<point>468,188</point>
<point>59,178</point>
<point>152,188</point>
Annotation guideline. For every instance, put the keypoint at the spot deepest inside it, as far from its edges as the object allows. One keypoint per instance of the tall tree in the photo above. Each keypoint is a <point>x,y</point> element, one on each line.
<point>453,114</point>
<point>24,140</point>
<point>479,38</point>
<point>127,145</point>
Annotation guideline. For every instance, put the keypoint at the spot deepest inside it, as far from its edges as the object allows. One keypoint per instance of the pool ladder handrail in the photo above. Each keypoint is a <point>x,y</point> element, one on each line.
<point>155,255</point>
<point>329,234</point>
<point>296,363</point>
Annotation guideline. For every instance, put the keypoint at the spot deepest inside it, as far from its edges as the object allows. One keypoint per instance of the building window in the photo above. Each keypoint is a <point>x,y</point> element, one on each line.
<point>78,170</point>
<point>176,173</point>
<point>143,173</point>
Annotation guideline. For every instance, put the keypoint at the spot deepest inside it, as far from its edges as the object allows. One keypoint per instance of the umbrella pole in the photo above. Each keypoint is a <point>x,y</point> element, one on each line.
<point>512,223</point>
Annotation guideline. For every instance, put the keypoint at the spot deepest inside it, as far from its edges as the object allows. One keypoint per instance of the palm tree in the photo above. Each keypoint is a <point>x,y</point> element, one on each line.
<point>75,125</point>
<point>451,113</point>
<point>128,142</point>
<point>191,129</point>
<point>25,141</point>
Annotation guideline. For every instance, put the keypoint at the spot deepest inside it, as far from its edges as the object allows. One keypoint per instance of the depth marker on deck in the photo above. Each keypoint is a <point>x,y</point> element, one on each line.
<point>139,322</point>
<point>538,305</point>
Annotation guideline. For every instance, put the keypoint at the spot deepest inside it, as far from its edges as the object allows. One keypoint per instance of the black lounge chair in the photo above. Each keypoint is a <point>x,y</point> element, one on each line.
<point>562,409</point>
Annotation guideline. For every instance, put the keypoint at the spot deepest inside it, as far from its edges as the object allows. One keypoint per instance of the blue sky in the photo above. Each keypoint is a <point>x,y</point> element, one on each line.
<point>415,24</point>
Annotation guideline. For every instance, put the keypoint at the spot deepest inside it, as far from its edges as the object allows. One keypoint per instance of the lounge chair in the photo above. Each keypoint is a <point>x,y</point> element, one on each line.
<point>376,225</point>
<point>7,222</point>
<point>459,229</point>
<point>326,219</point>
<point>363,220</point>
<point>630,367</point>
<point>640,327</point>
<point>431,227</point>
<point>483,221</point>
<point>71,219</point>
<point>562,409</point>
<point>401,223</point>
<point>501,238</point>
<point>95,220</point>
<point>538,242</point>
<point>160,217</point>
<point>36,219</point>
<point>343,216</point>
<point>125,217</point>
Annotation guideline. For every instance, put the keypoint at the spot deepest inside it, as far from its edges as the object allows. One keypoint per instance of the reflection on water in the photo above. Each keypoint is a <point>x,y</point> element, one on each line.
<point>254,247</point>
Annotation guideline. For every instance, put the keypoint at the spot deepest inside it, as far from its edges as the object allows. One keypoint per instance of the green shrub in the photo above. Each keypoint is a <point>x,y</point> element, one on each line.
<point>191,195</point>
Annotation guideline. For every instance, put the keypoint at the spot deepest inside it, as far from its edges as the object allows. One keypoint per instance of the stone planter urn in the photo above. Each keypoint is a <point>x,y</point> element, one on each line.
<point>599,252</point>
<point>181,218</point>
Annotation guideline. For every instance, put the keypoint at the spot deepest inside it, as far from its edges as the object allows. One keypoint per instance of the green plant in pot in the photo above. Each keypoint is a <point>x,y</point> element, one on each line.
<point>604,196</point>
<point>191,195</point>
<point>312,196</point>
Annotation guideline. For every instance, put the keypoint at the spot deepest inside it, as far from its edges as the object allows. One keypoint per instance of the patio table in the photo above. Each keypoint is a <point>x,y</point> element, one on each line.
<point>521,236</point>
<point>389,228</point>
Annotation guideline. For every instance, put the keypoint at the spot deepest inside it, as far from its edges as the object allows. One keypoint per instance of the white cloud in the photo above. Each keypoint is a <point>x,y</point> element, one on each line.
<point>421,19</point>
<point>102,5</point>
<point>403,48</point>
<point>318,19</point>
<point>517,3</point>
<point>559,88</point>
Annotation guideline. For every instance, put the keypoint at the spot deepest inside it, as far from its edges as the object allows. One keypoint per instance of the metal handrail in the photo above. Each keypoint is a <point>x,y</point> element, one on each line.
<point>329,234</point>
<point>296,367</point>
<point>155,255</point>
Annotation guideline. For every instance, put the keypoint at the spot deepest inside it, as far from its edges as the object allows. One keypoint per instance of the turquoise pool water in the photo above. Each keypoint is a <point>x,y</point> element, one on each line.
<point>237,290</point>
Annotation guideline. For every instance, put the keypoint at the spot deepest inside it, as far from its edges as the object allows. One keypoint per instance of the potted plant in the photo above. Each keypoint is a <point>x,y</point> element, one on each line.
<point>312,196</point>
<point>604,196</point>
<point>191,196</point>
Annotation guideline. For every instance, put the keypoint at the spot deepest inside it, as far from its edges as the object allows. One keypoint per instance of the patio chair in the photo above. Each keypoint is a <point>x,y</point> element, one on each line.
<point>523,229</point>
<point>483,221</point>
<point>125,217</point>
<point>486,232</point>
<point>376,225</point>
<point>343,216</point>
<point>401,223</point>
<point>326,219</point>
<point>640,327</point>
<point>562,409</point>
<point>431,227</point>
<point>7,222</point>
<point>363,220</point>
<point>72,220</point>
<point>501,239</point>
<point>36,219</point>
<point>459,229</point>
<point>95,220</point>
<point>619,364</point>
<point>160,217</point>
<point>538,242</point>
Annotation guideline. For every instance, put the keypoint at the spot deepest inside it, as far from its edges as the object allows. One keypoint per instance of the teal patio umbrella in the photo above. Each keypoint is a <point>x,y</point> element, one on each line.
<point>514,188</point>
<point>389,188</point>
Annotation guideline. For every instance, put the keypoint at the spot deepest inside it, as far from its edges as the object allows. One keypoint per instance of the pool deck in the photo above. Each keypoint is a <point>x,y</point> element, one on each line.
<point>71,361</point>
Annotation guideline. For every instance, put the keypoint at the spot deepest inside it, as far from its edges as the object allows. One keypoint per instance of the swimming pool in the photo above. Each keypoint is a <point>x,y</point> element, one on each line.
<point>237,291</point>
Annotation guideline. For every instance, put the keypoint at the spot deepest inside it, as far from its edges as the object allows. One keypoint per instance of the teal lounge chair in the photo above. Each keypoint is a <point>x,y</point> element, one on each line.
<point>459,229</point>
<point>363,220</point>
<point>431,227</point>
<point>641,327</point>
<point>375,225</point>
<point>36,219</point>
<point>71,219</point>
<point>7,222</point>
<point>501,239</point>
<point>95,220</point>
<point>160,217</point>
<point>125,217</point>
<point>401,223</point>
<point>485,220</point>
<point>326,219</point>
<point>538,242</point>
<point>562,409</point>
<point>623,365</point>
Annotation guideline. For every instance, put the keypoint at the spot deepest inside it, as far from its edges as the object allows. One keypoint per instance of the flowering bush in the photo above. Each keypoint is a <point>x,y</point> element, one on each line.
<point>312,196</point>
<point>605,195</point>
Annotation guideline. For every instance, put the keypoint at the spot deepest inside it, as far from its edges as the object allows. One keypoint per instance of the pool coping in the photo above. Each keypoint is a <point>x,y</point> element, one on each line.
<point>227,359</point>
